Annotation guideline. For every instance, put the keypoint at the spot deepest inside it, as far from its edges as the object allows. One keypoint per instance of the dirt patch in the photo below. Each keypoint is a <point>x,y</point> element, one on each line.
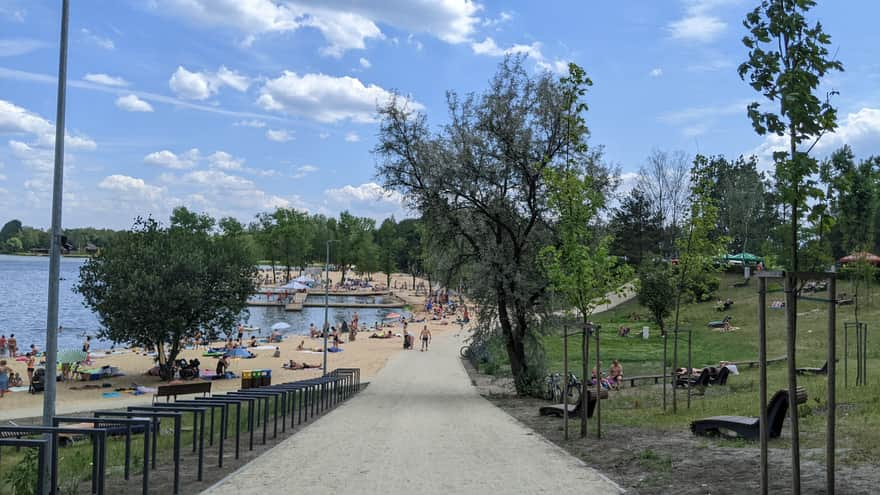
<point>649,461</point>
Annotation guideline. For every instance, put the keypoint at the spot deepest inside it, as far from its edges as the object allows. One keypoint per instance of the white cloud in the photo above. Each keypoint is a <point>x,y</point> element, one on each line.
<point>169,159</point>
<point>714,64</point>
<point>106,80</point>
<point>20,46</point>
<point>324,135</point>
<point>695,121</point>
<point>105,43</point>
<point>324,98</point>
<point>303,171</point>
<point>369,199</point>
<point>37,159</point>
<point>224,161</point>
<point>656,72</point>
<point>860,129</point>
<point>17,120</point>
<point>131,103</point>
<point>230,193</point>
<point>364,63</point>
<point>503,18</point>
<point>131,186</point>
<point>489,48</point>
<point>411,40</point>
<point>700,22</point>
<point>257,124</point>
<point>344,24</point>
<point>278,135</point>
<point>203,85</point>
<point>352,137</point>
<point>702,28</point>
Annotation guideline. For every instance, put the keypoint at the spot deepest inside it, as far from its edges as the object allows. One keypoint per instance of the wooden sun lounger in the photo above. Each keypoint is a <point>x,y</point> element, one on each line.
<point>749,427</point>
<point>574,410</point>
<point>816,371</point>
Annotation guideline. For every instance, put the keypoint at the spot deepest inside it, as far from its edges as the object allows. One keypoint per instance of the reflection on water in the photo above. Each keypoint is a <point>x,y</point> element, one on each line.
<point>24,294</point>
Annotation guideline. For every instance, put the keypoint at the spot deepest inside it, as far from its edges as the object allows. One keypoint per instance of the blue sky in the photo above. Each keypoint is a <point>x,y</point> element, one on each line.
<point>238,106</point>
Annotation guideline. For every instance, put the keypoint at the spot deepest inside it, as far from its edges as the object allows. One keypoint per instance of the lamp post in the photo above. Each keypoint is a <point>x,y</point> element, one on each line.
<point>327,301</point>
<point>55,242</point>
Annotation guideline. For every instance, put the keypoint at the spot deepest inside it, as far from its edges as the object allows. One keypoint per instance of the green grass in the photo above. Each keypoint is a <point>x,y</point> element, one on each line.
<point>858,418</point>
<point>75,461</point>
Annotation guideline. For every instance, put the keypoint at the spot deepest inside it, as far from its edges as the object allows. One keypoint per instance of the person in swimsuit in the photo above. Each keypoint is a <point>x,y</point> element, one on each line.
<point>31,362</point>
<point>4,377</point>
<point>13,345</point>
<point>426,338</point>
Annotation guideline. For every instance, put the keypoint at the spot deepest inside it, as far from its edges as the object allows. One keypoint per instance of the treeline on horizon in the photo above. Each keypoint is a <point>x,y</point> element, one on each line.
<point>647,221</point>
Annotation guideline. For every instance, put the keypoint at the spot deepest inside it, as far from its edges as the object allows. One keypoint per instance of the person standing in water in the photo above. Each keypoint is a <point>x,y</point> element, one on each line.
<point>426,338</point>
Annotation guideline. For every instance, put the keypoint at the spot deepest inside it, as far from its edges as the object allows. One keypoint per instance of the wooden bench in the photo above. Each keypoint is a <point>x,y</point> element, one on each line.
<point>632,379</point>
<point>175,389</point>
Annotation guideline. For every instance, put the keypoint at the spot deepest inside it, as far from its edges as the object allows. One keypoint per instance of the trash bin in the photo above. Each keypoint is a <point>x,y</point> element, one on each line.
<point>266,378</point>
<point>246,379</point>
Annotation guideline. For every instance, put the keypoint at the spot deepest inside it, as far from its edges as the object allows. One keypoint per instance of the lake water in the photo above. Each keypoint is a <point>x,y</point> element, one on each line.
<point>24,282</point>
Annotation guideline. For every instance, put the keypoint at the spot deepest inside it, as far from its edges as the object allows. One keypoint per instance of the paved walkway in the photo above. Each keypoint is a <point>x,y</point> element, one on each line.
<point>420,427</point>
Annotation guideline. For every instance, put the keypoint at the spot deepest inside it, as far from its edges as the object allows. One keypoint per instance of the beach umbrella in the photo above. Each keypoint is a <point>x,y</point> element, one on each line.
<point>862,256</point>
<point>238,353</point>
<point>281,326</point>
<point>295,286</point>
<point>68,356</point>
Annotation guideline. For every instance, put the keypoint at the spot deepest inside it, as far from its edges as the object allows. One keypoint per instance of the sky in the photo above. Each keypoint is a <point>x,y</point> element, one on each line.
<point>233,107</point>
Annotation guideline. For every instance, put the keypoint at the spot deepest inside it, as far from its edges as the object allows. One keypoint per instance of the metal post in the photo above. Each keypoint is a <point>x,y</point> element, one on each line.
<point>762,380</point>
<point>845,349</point>
<point>585,402</point>
<point>55,242</point>
<point>326,327</point>
<point>675,370</point>
<point>565,380</point>
<point>663,334</point>
<point>832,388</point>
<point>690,366</point>
<point>598,386</point>
<point>791,337</point>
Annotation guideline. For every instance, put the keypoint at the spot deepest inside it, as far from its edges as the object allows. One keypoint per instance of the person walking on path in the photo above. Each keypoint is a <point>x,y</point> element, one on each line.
<point>426,338</point>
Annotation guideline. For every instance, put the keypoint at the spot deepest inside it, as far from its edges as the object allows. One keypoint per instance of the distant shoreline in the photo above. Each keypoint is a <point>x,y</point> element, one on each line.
<point>46,255</point>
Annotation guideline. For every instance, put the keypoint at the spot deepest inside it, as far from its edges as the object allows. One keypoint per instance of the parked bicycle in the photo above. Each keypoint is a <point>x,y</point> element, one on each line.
<point>554,385</point>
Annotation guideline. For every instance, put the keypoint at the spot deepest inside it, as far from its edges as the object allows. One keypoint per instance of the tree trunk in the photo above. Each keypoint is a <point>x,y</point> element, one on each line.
<point>515,347</point>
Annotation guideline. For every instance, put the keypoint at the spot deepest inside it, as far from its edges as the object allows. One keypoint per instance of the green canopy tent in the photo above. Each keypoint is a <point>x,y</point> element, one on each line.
<point>744,258</point>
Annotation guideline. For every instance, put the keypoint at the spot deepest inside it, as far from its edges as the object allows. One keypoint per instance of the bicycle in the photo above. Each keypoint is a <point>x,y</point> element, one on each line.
<point>553,388</point>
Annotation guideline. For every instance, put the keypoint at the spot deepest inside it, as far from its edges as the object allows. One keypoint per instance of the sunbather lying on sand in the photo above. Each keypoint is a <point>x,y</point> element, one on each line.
<point>293,365</point>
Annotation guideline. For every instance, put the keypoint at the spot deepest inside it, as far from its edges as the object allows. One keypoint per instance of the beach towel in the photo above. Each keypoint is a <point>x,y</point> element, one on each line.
<point>111,395</point>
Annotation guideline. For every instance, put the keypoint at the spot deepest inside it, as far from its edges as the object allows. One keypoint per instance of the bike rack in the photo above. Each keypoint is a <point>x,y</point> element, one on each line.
<point>41,445</point>
<point>198,413</point>
<point>128,423</point>
<point>155,413</point>
<point>224,415</point>
<point>98,437</point>
<point>250,416</point>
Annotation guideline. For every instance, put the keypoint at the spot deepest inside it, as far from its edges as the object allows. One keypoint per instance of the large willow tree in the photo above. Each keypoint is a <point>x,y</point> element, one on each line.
<point>479,183</point>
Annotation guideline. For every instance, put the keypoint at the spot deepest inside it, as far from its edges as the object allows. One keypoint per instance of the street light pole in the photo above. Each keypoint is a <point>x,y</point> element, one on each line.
<point>326,301</point>
<point>55,241</point>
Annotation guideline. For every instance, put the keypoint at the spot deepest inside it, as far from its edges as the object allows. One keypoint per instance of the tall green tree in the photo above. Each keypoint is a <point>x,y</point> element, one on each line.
<point>10,229</point>
<point>656,291</point>
<point>157,286</point>
<point>636,227</point>
<point>479,184</point>
<point>788,57</point>
<point>389,246</point>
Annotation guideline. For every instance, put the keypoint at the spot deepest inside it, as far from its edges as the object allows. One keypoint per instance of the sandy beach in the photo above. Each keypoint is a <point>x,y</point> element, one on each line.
<point>370,355</point>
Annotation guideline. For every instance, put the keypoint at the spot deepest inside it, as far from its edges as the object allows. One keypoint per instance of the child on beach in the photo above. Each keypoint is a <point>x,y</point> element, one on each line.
<point>277,353</point>
<point>4,377</point>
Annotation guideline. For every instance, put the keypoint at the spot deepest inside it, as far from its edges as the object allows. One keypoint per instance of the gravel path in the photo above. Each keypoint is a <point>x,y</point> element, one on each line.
<point>420,427</point>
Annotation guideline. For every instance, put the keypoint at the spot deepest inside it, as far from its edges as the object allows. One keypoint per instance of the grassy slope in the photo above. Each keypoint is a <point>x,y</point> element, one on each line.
<point>859,408</point>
